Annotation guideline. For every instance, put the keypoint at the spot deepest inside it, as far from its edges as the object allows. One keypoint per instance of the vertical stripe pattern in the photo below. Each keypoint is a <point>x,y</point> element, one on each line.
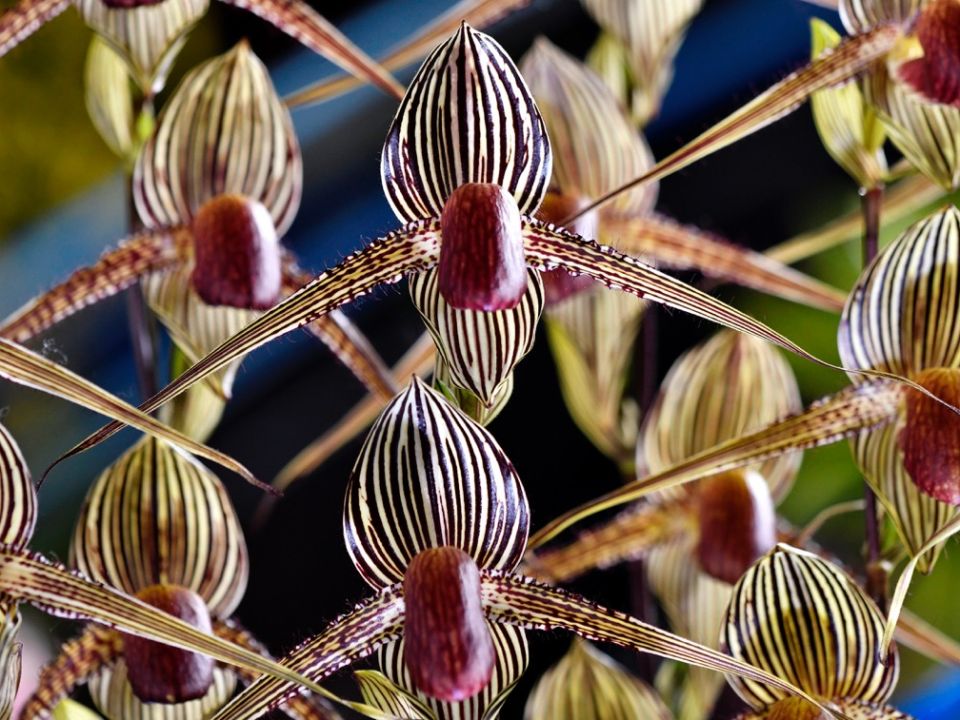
<point>156,516</point>
<point>480,349</point>
<point>9,658</point>
<point>147,37</point>
<point>722,389</point>
<point>512,653</point>
<point>223,131</point>
<point>428,476</point>
<point>467,117</point>
<point>377,690</point>
<point>804,620</point>
<point>18,500</point>
<point>595,145</point>
<point>862,15</point>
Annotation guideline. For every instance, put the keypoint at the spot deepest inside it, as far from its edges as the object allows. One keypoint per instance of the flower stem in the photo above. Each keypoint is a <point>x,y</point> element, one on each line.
<point>872,201</point>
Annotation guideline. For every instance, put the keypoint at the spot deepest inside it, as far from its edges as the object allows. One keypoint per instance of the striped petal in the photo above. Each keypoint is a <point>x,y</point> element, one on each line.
<point>377,690</point>
<point>848,127</point>
<point>467,117</point>
<point>427,477</point>
<point>478,13</point>
<point>156,516</point>
<point>78,660</point>
<point>589,685</point>
<point>824,422</point>
<point>301,22</point>
<point>115,271</point>
<point>348,639</point>
<point>26,17</point>
<point>111,693</point>
<point>683,247</point>
<point>480,349</point>
<point>512,656</point>
<point>224,131</point>
<point>414,248</point>
<point>926,133</point>
<point>725,388</point>
<point>147,37</point>
<point>860,16</point>
<point>520,601</point>
<point>846,61</point>
<point>592,336</point>
<point>9,659</point>
<point>608,59</point>
<point>21,366</point>
<point>28,577</point>
<point>109,99</point>
<point>595,146</point>
<point>472,406</point>
<point>651,32</point>
<point>18,500</point>
<point>902,315</point>
<point>804,620</point>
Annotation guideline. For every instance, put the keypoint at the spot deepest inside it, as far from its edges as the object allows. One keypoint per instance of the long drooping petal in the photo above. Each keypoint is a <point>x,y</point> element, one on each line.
<point>21,366</point>
<point>478,13</point>
<point>804,620</point>
<point>683,247</point>
<point>517,600</point>
<point>467,117</point>
<point>27,577</point>
<point>849,59</point>
<point>27,16</point>
<point>303,23</point>
<point>79,659</point>
<point>115,271</point>
<point>414,248</point>
<point>224,131</point>
<point>825,422</point>
<point>345,641</point>
<point>473,500</point>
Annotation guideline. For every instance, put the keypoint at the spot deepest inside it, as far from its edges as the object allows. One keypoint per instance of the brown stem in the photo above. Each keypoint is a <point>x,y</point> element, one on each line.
<point>872,201</point>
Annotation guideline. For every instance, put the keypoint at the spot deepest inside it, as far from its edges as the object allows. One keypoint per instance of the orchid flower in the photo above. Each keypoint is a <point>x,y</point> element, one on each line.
<point>128,627</point>
<point>158,526</point>
<point>467,160</point>
<point>899,318</point>
<point>216,186</point>
<point>588,685</point>
<point>635,51</point>
<point>699,540</point>
<point>148,34</point>
<point>802,618</point>
<point>435,521</point>
<point>591,331</point>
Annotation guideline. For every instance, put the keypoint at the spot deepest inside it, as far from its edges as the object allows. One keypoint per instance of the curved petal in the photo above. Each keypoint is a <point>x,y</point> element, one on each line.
<point>589,685</point>
<point>26,17</point>
<point>903,314</point>
<point>478,13</point>
<point>18,500</point>
<point>147,37</point>
<point>595,145</point>
<point>223,131</point>
<point>670,244</point>
<point>467,117</point>
<point>428,476</point>
<point>10,664</point>
<point>804,620</point>
<point>109,101</point>
<point>346,640</point>
<point>479,348</point>
<point>722,389</point>
<point>115,271</point>
<point>839,416</point>
<point>512,657</point>
<point>156,516</point>
<point>78,660</point>
<point>378,690</point>
<point>415,248</point>
<point>860,16</point>
<point>520,601</point>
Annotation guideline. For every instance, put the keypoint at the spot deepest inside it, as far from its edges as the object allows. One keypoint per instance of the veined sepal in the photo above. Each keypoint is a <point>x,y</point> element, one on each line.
<point>466,401</point>
<point>109,100</point>
<point>18,499</point>
<point>10,663</point>
<point>480,349</point>
<point>457,485</point>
